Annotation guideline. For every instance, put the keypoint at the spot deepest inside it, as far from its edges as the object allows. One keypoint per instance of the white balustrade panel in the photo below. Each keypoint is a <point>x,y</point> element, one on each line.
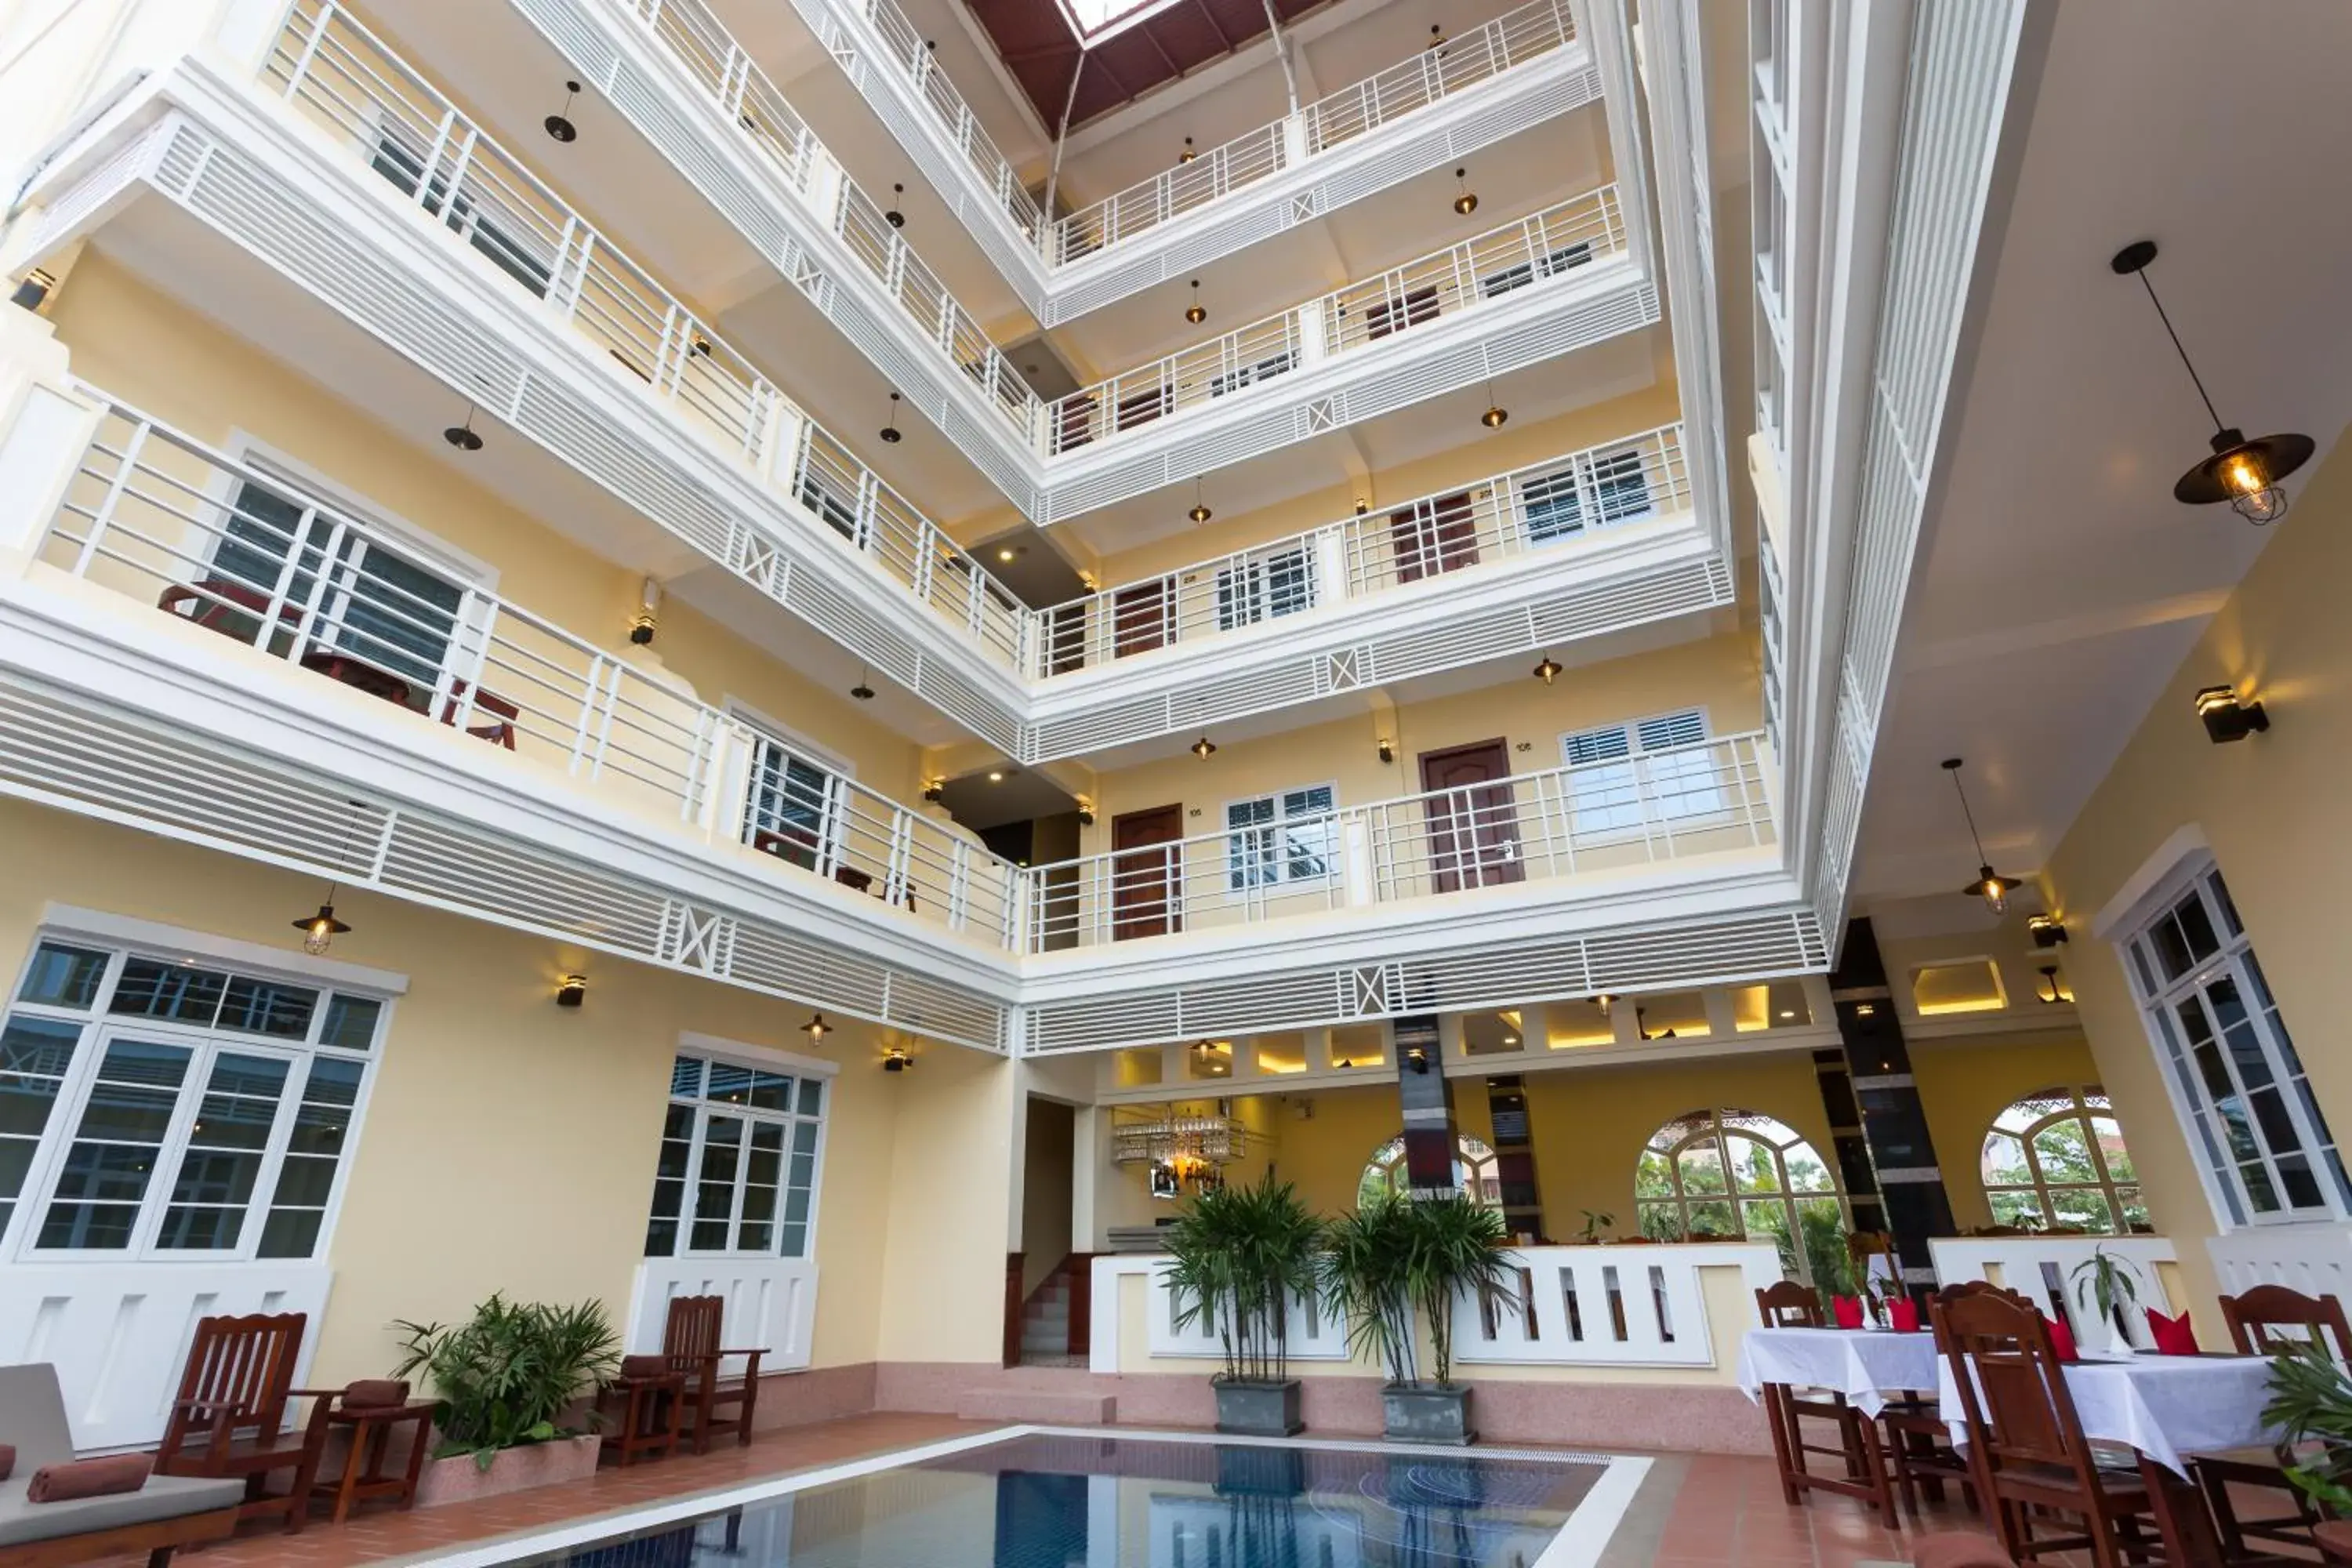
<point>2315,1259</point>
<point>2042,1268</point>
<point>1314,1334</point>
<point>119,1334</point>
<point>1606,1305</point>
<point>770,1304</point>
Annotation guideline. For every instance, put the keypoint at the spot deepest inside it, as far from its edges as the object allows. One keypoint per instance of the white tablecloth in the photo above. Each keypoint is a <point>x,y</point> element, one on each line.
<point>2164,1406</point>
<point>1861,1363</point>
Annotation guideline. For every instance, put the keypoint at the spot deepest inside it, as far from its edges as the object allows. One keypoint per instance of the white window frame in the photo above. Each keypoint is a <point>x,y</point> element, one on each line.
<point>2037,1184</point>
<point>762,1059</point>
<point>1282,880</point>
<point>832,828</point>
<point>1475,1162</point>
<point>1720,1137</point>
<point>124,939</point>
<point>1636,771</point>
<point>2158,998</point>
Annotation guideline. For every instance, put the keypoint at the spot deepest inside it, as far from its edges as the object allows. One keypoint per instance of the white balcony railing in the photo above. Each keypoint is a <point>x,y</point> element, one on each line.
<point>907,48</point>
<point>340,76</point>
<point>246,552</point>
<point>1578,233</point>
<point>1613,816</point>
<point>725,73</point>
<point>1533,508</point>
<point>1430,76</point>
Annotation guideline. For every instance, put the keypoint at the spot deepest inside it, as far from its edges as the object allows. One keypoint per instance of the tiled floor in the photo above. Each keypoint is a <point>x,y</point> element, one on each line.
<point>1692,1509</point>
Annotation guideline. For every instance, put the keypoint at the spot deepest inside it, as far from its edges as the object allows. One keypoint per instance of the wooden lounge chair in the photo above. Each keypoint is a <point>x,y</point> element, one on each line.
<point>169,1512</point>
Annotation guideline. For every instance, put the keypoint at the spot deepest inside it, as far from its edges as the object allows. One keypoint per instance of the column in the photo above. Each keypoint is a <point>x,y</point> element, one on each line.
<point>1514,1157</point>
<point>1894,1126</point>
<point>1416,1050</point>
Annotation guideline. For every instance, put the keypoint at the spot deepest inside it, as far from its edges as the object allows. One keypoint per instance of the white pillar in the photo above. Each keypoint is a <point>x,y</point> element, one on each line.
<point>44,431</point>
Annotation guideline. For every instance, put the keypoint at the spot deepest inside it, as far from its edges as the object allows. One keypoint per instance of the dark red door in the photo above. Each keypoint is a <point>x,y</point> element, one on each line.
<point>1147,885</point>
<point>1474,824</point>
<point>1139,618</point>
<point>1434,536</point>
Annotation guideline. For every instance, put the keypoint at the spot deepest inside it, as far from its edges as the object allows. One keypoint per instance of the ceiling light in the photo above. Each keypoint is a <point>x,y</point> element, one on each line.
<point>1006,552</point>
<point>894,217</point>
<point>1194,312</point>
<point>996,775</point>
<point>2244,473</point>
<point>1189,153</point>
<point>1200,512</point>
<point>320,930</point>
<point>1548,672</point>
<point>1990,885</point>
<point>562,129</point>
<point>1465,200</point>
<point>1204,748</point>
<point>1865,1009</point>
<point>1510,1039</point>
<point>2227,719</point>
<point>2045,930</point>
<point>571,991</point>
<point>862,692</point>
<point>890,426</point>
<point>816,1028</point>
<point>1496,415</point>
<point>462,436</point>
<point>1605,1001</point>
<point>1436,36</point>
<point>1787,1012</point>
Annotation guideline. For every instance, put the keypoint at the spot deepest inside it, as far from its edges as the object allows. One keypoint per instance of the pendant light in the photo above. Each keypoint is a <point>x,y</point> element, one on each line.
<point>862,692</point>
<point>1496,415</point>
<point>894,217</point>
<point>1204,748</point>
<point>558,125</point>
<point>1200,513</point>
<point>462,436</point>
<point>1465,200</point>
<point>816,1028</point>
<point>320,930</point>
<point>1189,153</point>
<point>1436,36</point>
<point>1548,672</point>
<point>1194,312</point>
<point>2245,473</point>
<point>890,426</point>
<point>1990,885</point>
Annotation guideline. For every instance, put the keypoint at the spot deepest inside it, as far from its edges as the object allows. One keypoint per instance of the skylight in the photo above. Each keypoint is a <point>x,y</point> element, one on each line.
<point>1095,20</point>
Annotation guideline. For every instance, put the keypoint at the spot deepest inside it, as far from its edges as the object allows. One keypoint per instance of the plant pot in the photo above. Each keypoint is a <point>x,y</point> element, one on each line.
<point>1427,1413</point>
<point>1258,1409</point>
<point>458,1479</point>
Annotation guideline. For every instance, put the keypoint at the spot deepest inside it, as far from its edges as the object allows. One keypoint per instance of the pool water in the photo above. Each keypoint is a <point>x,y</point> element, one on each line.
<point>1073,1501</point>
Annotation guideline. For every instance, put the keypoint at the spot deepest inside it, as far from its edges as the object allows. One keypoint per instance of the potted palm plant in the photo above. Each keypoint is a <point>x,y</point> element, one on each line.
<point>1238,1258</point>
<point>507,1380</point>
<point>1399,1262</point>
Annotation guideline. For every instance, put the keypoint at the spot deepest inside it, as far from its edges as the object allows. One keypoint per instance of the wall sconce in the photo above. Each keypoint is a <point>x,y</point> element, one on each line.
<point>641,624</point>
<point>1086,811</point>
<point>931,790</point>
<point>1417,1060</point>
<point>2046,931</point>
<point>895,1060</point>
<point>1388,750</point>
<point>1865,1009</point>
<point>2226,718</point>
<point>2048,991</point>
<point>816,1028</point>
<point>571,991</point>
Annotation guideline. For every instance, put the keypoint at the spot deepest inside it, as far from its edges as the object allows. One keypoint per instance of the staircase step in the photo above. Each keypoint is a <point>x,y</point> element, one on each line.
<point>1043,1405</point>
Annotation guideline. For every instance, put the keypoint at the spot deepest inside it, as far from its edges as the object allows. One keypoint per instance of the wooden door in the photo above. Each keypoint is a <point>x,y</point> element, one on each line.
<point>1434,536</point>
<point>1146,873</point>
<point>1139,617</point>
<point>1474,825</point>
<point>1395,315</point>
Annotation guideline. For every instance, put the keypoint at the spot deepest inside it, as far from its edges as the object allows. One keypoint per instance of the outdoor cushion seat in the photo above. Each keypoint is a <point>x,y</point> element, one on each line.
<point>32,1417</point>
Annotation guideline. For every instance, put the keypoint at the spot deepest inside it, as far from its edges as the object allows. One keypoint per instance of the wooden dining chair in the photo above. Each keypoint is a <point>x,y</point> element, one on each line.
<point>2266,1321</point>
<point>2025,1439</point>
<point>1792,1305</point>
<point>229,1421</point>
<point>691,1340</point>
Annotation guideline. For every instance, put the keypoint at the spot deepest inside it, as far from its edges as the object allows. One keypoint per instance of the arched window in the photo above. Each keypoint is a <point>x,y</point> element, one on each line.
<point>1738,1174</point>
<point>1473,1172</point>
<point>2056,1159</point>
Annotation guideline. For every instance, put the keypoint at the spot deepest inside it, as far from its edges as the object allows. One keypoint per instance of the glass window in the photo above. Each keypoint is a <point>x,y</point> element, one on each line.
<point>736,1171</point>
<point>1608,488</point>
<point>2236,1078</point>
<point>1286,837</point>
<point>790,810</point>
<point>2055,1162</point>
<point>184,1111</point>
<point>1261,587</point>
<point>1475,1173</point>
<point>1625,776</point>
<point>1719,1175</point>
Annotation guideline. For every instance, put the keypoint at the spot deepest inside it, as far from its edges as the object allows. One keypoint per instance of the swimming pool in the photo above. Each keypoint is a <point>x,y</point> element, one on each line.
<point>1058,1498</point>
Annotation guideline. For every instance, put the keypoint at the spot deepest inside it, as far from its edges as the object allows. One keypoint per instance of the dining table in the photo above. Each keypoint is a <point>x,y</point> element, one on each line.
<point>1864,1364</point>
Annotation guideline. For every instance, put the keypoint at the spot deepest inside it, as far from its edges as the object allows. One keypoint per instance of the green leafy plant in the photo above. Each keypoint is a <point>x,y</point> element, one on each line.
<point>1454,1248</point>
<point>1595,1223</point>
<point>1364,1264</point>
<point>2311,1402</point>
<point>1236,1257</point>
<point>2111,1284</point>
<point>507,1374</point>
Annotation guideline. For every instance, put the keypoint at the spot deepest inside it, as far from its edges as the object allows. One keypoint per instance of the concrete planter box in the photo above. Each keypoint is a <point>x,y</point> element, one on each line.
<point>1427,1413</point>
<point>459,1479</point>
<point>1258,1409</point>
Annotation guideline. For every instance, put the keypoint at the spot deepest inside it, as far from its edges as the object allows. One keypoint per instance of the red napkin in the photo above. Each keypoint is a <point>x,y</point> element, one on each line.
<point>1903,1312</point>
<point>2061,1338</point>
<point>1847,1310</point>
<point>2174,1336</point>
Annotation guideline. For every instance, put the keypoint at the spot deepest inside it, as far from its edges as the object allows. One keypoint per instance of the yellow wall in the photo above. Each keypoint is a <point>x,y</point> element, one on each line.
<point>157,355</point>
<point>1964,1084</point>
<point>2273,809</point>
<point>1719,674</point>
<point>951,1172</point>
<point>509,1145</point>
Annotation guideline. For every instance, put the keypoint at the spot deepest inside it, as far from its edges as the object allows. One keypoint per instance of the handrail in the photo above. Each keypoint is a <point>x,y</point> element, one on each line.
<point>939,93</point>
<point>1610,815</point>
<point>1583,231</point>
<point>726,73</point>
<point>1627,479</point>
<point>327,64</point>
<point>249,553</point>
<point>1429,75</point>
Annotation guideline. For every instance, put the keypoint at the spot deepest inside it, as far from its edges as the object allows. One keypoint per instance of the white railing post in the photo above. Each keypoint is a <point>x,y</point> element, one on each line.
<point>1312,332</point>
<point>1331,583</point>
<point>1356,841</point>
